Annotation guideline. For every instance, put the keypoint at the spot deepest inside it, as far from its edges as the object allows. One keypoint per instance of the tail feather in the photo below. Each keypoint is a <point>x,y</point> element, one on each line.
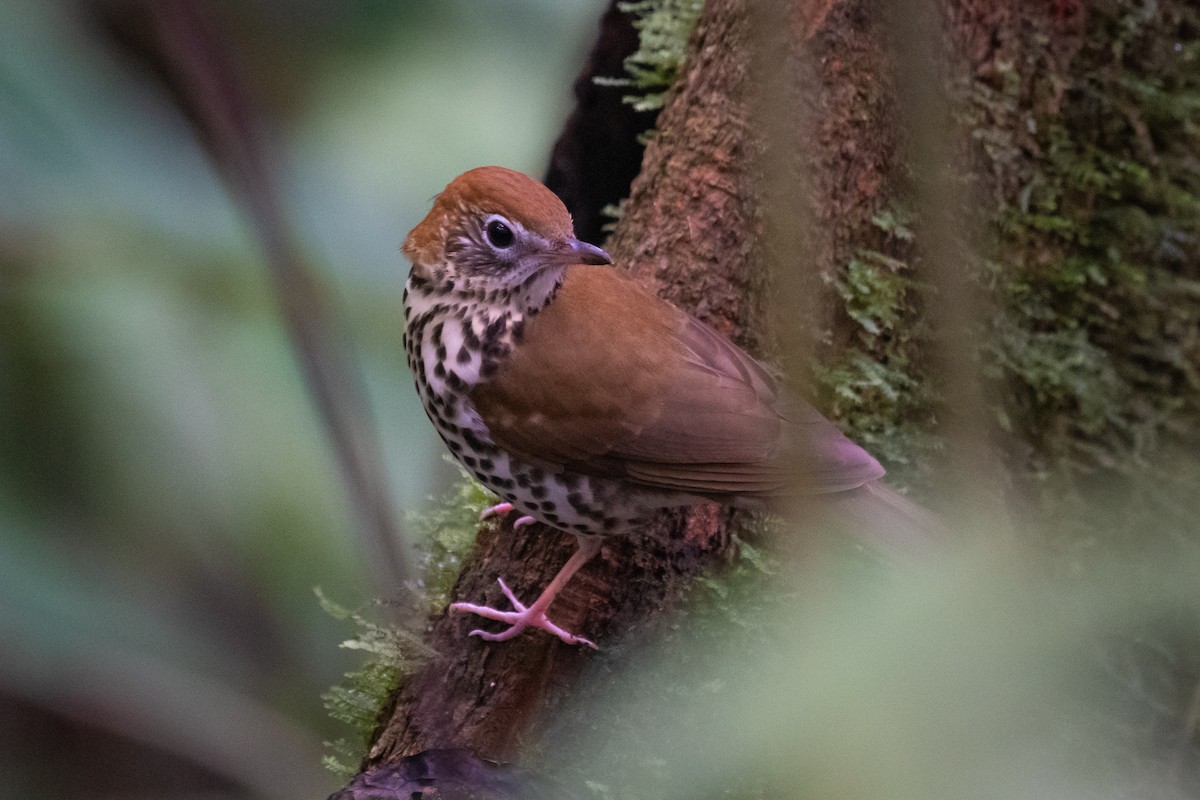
<point>887,520</point>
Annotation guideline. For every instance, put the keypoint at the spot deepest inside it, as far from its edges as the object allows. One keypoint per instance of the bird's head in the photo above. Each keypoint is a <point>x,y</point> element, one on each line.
<point>496,231</point>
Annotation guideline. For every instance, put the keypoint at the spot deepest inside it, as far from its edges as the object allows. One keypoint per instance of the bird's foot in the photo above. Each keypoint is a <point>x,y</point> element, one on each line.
<point>499,508</point>
<point>518,620</point>
<point>504,508</point>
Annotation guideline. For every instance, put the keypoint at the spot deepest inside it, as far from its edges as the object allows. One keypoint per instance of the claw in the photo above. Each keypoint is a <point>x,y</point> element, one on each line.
<point>525,520</point>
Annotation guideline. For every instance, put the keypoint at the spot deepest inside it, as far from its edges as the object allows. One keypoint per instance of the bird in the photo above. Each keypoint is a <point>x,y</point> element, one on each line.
<point>581,399</point>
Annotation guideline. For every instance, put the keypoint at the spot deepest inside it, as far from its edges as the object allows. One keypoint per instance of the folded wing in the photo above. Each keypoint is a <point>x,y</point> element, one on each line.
<point>611,381</point>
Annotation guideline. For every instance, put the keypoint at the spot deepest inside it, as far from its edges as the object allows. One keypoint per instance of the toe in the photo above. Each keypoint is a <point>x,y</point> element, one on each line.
<point>499,508</point>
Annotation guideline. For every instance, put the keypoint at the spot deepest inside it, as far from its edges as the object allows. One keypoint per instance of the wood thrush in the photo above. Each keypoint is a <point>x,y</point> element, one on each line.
<point>584,401</point>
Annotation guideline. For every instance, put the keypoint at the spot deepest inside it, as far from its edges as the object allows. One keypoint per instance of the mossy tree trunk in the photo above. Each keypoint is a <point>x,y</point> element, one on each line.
<point>694,230</point>
<point>485,696</point>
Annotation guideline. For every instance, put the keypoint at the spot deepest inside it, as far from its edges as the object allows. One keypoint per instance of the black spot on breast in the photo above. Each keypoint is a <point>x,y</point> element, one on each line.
<point>469,461</point>
<point>486,463</point>
<point>496,328</point>
<point>456,383</point>
<point>571,480</point>
<point>469,337</point>
<point>437,333</point>
<point>576,501</point>
<point>439,370</point>
<point>538,491</point>
<point>504,483</point>
<point>518,330</point>
<point>441,352</point>
<point>547,505</point>
<point>417,281</point>
<point>464,356</point>
<point>551,517</point>
<point>473,441</point>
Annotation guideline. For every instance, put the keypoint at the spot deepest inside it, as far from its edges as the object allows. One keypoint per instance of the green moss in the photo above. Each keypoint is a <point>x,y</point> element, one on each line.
<point>1096,256</point>
<point>663,28</point>
<point>734,598</point>
<point>1092,260</point>
<point>874,385</point>
<point>391,653</point>
<point>444,535</point>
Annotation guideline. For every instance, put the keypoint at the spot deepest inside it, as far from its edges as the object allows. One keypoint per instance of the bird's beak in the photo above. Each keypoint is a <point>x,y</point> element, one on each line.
<point>573,251</point>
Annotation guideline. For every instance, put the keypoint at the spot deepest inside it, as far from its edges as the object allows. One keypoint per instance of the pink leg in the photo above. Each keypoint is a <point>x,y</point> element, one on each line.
<point>534,616</point>
<point>499,508</point>
<point>523,521</point>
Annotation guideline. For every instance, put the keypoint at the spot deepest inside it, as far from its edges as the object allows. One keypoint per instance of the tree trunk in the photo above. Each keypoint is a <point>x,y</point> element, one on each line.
<point>481,695</point>
<point>698,231</point>
<point>691,231</point>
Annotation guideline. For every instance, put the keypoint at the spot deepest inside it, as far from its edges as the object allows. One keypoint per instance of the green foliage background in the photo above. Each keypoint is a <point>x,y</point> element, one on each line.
<point>168,501</point>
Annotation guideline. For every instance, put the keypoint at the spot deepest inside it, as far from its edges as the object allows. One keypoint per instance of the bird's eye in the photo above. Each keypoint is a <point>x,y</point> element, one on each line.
<point>499,234</point>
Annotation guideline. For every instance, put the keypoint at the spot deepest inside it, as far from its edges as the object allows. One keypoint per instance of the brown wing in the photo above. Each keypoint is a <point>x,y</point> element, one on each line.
<point>611,381</point>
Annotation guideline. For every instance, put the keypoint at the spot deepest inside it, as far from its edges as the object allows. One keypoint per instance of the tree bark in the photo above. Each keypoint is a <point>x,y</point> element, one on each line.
<point>481,695</point>
<point>693,230</point>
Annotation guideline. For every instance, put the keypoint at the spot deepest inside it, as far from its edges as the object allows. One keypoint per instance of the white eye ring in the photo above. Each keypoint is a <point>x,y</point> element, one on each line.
<point>499,232</point>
